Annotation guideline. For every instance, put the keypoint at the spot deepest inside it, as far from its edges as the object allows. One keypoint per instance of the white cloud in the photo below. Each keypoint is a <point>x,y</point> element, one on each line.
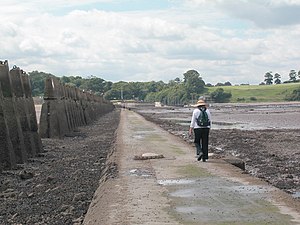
<point>222,40</point>
<point>266,14</point>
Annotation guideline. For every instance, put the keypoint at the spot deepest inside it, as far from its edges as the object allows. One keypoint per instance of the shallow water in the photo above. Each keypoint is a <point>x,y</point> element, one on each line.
<point>243,117</point>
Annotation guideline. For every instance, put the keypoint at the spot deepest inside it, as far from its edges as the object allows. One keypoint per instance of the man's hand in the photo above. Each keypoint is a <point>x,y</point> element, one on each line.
<point>190,131</point>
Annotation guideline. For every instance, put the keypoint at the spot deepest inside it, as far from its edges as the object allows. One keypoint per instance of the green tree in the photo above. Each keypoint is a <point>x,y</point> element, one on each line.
<point>75,81</point>
<point>220,96</point>
<point>38,82</point>
<point>193,83</point>
<point>154,86</point>
<point>269,78</point>
<point>65,79</point>
<point>177,80</point>
<point>227,83</point>
<point>119,90</point>
<point>137,90</point>
<point>94,84</point>
<point>293,76</point>
<point>172,83</point>
<point>107,85</point>
<point>277,78</point>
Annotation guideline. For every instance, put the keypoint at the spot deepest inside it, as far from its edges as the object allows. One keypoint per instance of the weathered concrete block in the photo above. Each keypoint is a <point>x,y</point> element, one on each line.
<point>5,80</point>
<point>11,115</point>
<point>31,113</point>
<point>19,136</point>
<point>72,108</point>
<point>22,111</point>
<point>53,121</point>
<point>49,89</point>
<point>7,155</point>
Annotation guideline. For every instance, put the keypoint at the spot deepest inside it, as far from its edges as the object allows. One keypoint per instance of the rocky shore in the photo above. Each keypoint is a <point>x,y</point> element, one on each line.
<point>57,186</point>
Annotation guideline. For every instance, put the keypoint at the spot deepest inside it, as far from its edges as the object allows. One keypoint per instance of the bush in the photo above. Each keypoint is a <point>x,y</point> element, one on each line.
<point>295,96</point>
<point>220,96</point>
<point>240,99</point>
<point>253,98</point>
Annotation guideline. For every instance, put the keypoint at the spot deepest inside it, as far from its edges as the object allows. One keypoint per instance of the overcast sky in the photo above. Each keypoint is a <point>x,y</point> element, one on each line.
<point>144,40</point>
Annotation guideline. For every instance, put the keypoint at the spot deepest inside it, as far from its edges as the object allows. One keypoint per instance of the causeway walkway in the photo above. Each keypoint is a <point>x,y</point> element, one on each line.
<point>177,189</point>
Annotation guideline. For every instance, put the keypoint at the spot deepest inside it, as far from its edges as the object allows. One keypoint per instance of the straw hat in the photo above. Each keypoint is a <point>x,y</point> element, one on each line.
<point>200,103</point>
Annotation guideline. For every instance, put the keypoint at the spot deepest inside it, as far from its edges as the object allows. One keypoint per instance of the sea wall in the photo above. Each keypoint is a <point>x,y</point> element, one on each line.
<point>19,135</point>
<point>66,108</point>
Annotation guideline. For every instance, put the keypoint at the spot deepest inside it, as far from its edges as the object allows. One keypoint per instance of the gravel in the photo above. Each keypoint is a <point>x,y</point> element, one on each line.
<point>57,186</point>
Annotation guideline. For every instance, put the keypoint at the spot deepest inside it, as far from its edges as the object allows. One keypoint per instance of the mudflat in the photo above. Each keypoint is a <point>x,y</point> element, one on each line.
<point>266,136</point>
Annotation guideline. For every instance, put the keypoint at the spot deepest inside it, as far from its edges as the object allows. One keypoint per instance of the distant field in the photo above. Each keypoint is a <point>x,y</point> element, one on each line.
<point>262,93</point>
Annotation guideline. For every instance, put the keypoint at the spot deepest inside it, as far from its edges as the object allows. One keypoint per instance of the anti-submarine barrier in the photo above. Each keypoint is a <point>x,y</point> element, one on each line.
<point>65,108</point>
<point>19,135</point>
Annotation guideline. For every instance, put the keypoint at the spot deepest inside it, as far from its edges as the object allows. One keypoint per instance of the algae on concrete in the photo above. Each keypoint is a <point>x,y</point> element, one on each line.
<point>192,171</point>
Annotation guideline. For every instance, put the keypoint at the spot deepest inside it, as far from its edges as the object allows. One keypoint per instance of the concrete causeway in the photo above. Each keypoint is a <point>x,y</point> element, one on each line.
<point>177,189</point>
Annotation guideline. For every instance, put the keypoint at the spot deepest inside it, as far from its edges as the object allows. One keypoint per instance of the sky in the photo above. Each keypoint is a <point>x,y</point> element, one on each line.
<point>153,40</point>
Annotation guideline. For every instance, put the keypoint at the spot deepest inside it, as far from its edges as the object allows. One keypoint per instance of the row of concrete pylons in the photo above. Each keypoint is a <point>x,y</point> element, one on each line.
<point>19,137</point>
<point>65,108</point>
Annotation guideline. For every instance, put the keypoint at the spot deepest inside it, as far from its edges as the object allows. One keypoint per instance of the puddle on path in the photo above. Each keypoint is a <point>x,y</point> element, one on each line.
<point>213,200</point>
<point>175,182</point>
<point>296,195</point>
<point>141,173</point>
<point>254,189</point>
<point>138,136</point>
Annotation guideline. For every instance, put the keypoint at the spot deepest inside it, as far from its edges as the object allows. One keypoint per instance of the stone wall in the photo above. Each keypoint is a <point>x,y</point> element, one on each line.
<point>19,135</point>
<point>65,108</point>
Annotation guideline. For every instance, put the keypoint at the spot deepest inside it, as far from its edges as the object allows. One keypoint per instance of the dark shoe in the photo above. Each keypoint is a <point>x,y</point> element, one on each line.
<point>204,160</point>
<point>200,157</point>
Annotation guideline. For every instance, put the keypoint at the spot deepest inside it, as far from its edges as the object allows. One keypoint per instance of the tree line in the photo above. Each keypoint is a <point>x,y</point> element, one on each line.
<point>175,92</point>
<point>276,78</point>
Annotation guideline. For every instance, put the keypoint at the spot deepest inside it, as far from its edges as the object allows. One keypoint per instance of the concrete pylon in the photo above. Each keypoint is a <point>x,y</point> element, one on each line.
<point>31,113</point>
<point>67,108</point>
<point>11,115</point>
<point>80,99</point>
<point>53,120</point>
<point>7,154</point>
<point>49,89</point>
<point>44,124</point>
<point>18,90</point>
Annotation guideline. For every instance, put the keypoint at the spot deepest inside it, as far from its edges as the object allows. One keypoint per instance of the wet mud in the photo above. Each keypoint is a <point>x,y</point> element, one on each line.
<point>265,136</point>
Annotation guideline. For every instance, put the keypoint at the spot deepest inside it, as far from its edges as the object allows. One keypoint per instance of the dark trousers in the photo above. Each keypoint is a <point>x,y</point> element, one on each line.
<point>201,138</point>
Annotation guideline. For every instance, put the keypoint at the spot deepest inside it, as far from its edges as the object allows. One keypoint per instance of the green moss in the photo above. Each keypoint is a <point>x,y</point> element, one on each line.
<point>154,137</point>
<point>191,170</point>
<point>177,150</point>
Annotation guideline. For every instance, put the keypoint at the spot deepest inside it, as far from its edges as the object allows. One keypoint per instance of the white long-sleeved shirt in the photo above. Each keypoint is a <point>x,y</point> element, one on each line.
<point>195,115</point>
